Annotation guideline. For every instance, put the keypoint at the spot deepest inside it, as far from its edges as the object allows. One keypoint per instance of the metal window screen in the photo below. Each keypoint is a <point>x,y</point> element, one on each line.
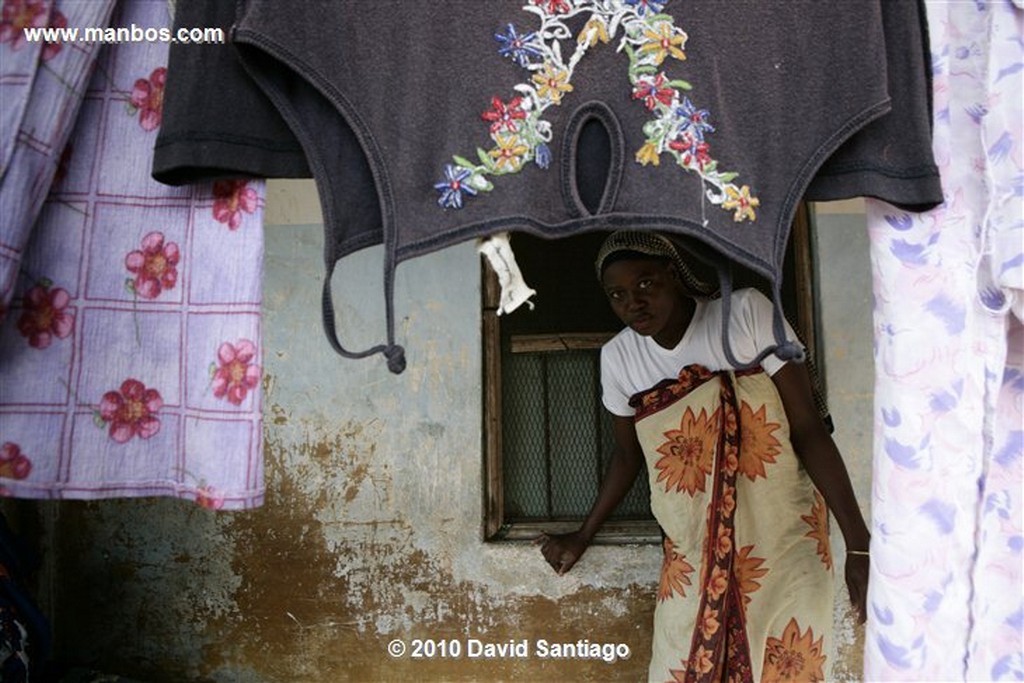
<point>557,438</point>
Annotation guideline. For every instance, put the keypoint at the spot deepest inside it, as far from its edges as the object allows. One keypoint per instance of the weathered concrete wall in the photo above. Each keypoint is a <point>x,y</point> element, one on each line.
<point>372,525</point>
<point>844,288</point>
<point>371,528</point>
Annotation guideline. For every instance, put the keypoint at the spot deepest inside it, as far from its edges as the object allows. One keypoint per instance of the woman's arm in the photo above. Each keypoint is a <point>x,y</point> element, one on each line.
<point>563,550</point>
<point>820,457</point>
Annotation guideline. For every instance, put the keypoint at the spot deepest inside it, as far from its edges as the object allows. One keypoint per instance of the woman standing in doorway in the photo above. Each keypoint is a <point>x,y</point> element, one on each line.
<point>742,474</point>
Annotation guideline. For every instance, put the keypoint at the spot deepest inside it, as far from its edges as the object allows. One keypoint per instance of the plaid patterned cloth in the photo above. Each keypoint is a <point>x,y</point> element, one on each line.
<point>130,351</point>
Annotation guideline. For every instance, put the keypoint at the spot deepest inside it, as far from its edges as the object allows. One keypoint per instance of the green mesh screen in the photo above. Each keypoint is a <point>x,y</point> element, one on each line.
<point>557,438</point>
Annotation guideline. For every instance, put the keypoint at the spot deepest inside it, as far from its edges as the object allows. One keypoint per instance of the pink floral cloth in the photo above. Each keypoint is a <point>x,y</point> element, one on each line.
<point>41,86</point>
<point>130,352</point>
<point>947,590</point>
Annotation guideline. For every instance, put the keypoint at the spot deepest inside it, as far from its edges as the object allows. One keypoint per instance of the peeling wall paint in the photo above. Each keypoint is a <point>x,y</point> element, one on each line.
<point>371,529</point>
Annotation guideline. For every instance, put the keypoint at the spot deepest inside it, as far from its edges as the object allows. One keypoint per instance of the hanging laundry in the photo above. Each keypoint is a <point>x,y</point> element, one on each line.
<point>946,591</point>
<point>426,124</point>
<point>41,86</point>
<point>130,355</point>
<point>217,124</point>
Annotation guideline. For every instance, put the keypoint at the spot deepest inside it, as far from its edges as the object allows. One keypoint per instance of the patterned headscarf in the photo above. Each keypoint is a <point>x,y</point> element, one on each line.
<point>657,245</point>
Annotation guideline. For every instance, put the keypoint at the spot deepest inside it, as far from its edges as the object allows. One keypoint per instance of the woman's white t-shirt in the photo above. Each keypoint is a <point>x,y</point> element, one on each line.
<point>631,363</point>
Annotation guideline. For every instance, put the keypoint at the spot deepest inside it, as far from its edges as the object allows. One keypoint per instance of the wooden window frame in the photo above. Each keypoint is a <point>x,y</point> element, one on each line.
<point>613,532</point>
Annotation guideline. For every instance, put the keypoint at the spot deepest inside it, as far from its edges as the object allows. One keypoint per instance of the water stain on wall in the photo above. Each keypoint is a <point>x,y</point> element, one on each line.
<point>369,533</point>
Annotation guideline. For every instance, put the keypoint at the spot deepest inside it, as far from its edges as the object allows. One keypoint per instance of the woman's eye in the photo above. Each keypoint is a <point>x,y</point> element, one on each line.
<point>645,284</point>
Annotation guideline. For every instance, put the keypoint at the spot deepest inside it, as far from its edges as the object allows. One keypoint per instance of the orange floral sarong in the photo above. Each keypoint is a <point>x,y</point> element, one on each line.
<point>746,583</point>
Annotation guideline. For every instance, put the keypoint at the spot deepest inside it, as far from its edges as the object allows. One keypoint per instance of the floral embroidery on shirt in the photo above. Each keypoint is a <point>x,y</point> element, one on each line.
<point>45,315</point>
<point>155,266</point>
<point>653,91</point>
<point>453,185</point>
<point>505,115</point>
<point>509,153</point>
<point>742,202</point>
<point>663,41</point>
<point>519,47</point>
<point>147,98</point>
<point>130,411</point>
<point>651,41</point>
<point>644,7</point>
<point>553,6</point>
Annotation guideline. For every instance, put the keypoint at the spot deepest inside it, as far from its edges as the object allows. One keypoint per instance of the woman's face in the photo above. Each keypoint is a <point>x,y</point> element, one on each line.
<point>646,296</point>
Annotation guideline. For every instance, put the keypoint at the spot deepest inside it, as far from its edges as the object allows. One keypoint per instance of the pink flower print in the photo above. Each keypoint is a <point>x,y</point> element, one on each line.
<point>154,266</point>
<point>58,21</point>
<point>13,463</point>
<point>237,373</point>
<point>148,98</point>
<point>208,498</point>
<point>45,316</point>
<point>231,198</point>
<point>18,15</point>
<point>131,411</point>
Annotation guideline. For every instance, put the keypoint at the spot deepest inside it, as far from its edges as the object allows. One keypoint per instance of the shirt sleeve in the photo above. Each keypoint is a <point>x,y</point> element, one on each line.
<point>614,395</point>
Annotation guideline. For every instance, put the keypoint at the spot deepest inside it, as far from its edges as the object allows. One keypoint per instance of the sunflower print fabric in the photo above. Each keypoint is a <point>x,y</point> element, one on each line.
<point>746,585</point>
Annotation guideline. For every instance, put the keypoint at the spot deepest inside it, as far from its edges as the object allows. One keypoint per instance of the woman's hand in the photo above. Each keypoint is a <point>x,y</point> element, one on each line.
<point>857,567</point>
<point>562,551</point>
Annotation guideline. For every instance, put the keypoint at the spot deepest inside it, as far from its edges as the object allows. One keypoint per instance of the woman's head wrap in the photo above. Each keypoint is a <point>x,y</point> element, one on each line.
<point>655,245</point>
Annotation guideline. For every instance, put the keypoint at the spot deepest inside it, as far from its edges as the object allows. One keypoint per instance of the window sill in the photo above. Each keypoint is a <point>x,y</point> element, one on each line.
<point>624,532</point>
